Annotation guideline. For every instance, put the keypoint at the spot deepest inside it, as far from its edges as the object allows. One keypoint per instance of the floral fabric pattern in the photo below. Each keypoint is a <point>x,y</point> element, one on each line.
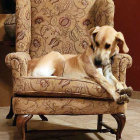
<point>66,106</point>
<point>58,86</point>
<point>120,65</point>
<point>18,62</point>
<point>104,13</point>
<point>60,25</point>
<point>23,25</point>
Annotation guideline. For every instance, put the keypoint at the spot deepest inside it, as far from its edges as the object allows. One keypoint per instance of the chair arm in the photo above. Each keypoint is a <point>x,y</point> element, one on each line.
<point>119,66</point>
<point>104,12</point>
<point>18,62</point>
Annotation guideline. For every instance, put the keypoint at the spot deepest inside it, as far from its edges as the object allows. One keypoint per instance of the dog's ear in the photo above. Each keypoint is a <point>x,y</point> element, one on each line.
<point>121,41</point>
<point>93,31</point>
<point>115,51</point>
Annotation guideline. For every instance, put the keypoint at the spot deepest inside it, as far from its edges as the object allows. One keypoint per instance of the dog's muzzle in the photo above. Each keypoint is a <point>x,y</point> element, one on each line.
<point>97,62</point>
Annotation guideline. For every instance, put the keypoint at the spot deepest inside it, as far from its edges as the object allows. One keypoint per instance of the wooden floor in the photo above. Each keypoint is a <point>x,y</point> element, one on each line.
<point>136,95</point>
<point>131,131</point>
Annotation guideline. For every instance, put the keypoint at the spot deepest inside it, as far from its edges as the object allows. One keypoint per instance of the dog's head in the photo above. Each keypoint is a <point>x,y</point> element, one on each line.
<point>105,41</point>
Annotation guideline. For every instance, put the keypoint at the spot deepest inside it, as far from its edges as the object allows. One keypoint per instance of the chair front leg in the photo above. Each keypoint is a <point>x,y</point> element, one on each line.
<point>11,113</point>
<point>99,123</point>
<point>121,119</point>
<point>21,123</point>
<point>14,121</point>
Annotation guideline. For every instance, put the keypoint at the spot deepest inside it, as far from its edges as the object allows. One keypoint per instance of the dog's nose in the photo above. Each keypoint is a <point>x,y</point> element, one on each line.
<point>97,62</point>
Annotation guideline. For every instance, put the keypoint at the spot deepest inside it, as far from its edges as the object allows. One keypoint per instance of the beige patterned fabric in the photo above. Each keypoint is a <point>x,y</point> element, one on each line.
<point>103,13</point>
<point>58,86</point>
<point>23,85</point>
<point>18,62</point>
<point>65,106</point>
<point>61,25</point>
<point>121,63</point>
<point>23,25</point>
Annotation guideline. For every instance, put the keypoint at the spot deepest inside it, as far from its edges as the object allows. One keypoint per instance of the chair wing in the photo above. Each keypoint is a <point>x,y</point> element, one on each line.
<point>43,26</point>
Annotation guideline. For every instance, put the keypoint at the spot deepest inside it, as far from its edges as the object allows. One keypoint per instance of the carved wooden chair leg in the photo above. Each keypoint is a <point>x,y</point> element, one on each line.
<point>121,119</point>
<point>21,123</point>
<point>43,118</point>
<point>14,121</point>
<point>11,113</point>
<point>99,125</point>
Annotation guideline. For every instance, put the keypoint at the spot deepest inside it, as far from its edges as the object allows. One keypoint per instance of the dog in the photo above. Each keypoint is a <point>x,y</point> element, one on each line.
<point>93,64</point>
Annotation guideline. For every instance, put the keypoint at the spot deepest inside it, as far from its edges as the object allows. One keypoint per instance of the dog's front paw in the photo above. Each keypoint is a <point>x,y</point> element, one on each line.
<point>123,99</point>
<point>127,91</point>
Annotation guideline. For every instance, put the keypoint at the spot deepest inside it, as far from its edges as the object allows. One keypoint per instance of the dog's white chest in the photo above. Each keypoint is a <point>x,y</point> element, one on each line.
<point>100,70</point>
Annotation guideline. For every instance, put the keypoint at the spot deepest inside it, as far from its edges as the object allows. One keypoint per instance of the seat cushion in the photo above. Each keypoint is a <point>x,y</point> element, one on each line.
<point>71,106</point>
<point>58,87</point>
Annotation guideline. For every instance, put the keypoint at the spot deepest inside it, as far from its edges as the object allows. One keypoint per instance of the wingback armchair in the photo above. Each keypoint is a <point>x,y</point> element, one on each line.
<point>46,25</point>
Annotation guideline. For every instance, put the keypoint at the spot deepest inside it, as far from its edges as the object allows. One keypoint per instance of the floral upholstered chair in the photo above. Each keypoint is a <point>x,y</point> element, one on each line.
<point>61,25</point>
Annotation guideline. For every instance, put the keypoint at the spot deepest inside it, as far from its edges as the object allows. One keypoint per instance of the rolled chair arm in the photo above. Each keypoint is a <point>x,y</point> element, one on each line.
<point>18,62</point>
<point>119,66</point>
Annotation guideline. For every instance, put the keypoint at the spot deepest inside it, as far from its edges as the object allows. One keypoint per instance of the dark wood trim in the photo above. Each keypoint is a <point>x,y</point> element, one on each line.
<point>7,43</point>
<point>121,119</point>
<point>110,129</point>
<point>99,122</point>
<point>11,113</point>
<point>14,121</point>
<point>43,118</point>
<point>21,123</point>
<point>22,120</point>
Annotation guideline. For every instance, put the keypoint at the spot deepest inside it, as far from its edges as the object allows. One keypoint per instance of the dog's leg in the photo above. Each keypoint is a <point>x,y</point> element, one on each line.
<point>50,65</point>
<point>100,71</point>
<point>100,79</point>
<point>107,72</point>
<point>120,88</point>
<point>59,68</point>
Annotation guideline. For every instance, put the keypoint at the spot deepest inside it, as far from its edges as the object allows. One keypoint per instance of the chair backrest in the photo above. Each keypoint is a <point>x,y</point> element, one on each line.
<point>60,25</point>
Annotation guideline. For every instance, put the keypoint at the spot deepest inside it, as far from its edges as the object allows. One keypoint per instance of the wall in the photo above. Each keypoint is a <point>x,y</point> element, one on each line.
<point>5,73</point>
<point>5,77</point>
<point>7,6</point>
<point>127,20</point>
<point>2,31</point>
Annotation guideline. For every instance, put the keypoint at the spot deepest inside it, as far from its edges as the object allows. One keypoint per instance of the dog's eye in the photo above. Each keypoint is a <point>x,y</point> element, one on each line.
<point>92,47</point>
<point>107,46</point>
<point>97,44</point>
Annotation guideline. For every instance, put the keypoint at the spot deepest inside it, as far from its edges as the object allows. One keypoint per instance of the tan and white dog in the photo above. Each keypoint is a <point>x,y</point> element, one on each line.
<point>93,64</point>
